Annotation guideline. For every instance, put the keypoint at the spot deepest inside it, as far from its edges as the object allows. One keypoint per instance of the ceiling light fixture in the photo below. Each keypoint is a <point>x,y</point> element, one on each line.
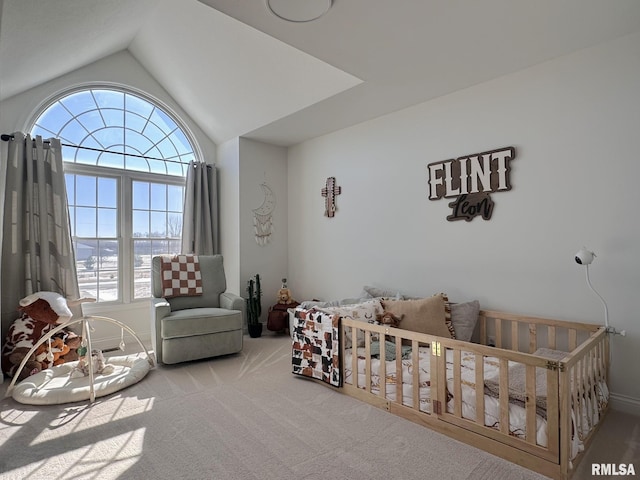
<point>299,10</point>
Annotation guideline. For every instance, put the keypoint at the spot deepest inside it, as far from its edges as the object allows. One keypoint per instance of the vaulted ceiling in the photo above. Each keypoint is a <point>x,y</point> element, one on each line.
<point>238,70</point>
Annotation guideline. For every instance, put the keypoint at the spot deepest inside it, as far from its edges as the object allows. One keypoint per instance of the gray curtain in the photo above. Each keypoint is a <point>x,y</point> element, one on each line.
<point>200,220</point>
<point>37,253</point>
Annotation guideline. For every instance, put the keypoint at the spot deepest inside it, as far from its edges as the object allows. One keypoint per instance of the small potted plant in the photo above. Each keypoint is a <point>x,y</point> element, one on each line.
<point>254,308</point>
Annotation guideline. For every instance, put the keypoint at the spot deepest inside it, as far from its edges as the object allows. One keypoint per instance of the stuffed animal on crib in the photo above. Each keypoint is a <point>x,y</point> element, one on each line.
<point>284,296</point>
<point>40,313</point>
<point>100,367</point>
<point>388,318</point>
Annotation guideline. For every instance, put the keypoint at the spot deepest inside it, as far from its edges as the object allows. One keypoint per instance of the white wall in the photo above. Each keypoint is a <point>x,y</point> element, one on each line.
<point>574,124</point>
<point>263,163</point>
<point>17,113</point>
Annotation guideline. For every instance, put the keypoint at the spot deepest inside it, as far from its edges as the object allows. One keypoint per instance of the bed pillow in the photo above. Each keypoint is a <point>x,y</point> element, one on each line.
<point>464,317</point>
<point>430,315</point>
<point>381,292</point>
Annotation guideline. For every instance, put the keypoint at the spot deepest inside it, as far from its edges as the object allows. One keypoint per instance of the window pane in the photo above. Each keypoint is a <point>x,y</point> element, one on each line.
<point>154,134</point>
<point>110,137</point>
<point>107,191</point>
<point>80,102</point>
<point>135,122</point>
<point>140,223</point>
<point>158,196</point>
<point>54,118</point>
<point>86,222</point>
<point>174,225</point>
<point>168,149</point>
<point>107,223</point>
<point>158,224</point>
<point>175,199</point>
<point>70,186</point>
<point>85,190</point>
<point>113,160</point>
<point>109,98</point>
<point>113,117</point>
<point>181,142</point>
<point>73,132</point>
<point>91,120</point>
<point>141,195</point>
<point>138,105</point>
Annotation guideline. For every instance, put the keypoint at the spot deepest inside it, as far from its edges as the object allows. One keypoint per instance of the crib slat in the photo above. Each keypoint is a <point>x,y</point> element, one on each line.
<point>399,380</point>
<point>415,381</point>
<point>573,339</point>
<point>498,326</point>
<point>530,404</point>
<point>479,369</point>
<point>515,341</point>
<point>367,361</point>
<point>553,411</point>
<point>533,337</point>
<point>383,366</point>
<point>354,358</point>
<point>504,396</point>
<point>551,337</point>
<point>457,384</point>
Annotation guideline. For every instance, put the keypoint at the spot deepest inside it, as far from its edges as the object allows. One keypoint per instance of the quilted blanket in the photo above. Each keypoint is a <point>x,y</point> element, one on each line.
<point>316,346</point>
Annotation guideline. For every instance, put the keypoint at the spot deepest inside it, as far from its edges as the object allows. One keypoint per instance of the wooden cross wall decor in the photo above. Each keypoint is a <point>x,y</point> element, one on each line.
<point>329,192</point>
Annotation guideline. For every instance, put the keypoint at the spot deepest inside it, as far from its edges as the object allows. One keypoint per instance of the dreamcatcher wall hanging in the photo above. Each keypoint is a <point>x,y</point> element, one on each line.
<point>263,216</point>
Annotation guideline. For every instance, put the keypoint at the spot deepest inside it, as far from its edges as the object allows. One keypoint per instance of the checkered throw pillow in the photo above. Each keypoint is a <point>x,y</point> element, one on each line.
<point>181,276</point>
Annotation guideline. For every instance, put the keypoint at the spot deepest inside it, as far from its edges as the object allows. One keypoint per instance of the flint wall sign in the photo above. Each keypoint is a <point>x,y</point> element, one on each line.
<point>470,179</point>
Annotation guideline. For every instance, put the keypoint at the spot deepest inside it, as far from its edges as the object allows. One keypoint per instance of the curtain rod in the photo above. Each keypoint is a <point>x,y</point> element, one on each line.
<point>6,137</point>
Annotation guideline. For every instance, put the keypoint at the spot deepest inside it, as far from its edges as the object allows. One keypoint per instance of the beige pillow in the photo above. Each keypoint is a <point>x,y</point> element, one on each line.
<point>430,315</point>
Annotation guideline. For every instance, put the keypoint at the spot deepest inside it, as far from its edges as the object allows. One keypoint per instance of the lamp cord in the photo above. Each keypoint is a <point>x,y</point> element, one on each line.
<point>606,309</point>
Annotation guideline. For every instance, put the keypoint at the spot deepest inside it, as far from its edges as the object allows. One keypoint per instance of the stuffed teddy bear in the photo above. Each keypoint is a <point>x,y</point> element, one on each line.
<point>31,367</point>
<point>100,367</point>
<point>388,318</point>
<point>51,355</point>
<point>284,296</point>
<point>40,313</point>
<point>73,341</point>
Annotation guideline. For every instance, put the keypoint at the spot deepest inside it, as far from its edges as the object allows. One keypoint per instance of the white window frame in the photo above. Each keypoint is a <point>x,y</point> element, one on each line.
<point>125,180</point>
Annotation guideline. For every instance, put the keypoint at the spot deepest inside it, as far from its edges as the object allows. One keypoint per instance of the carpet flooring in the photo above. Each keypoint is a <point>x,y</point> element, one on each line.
<point>242,416</point>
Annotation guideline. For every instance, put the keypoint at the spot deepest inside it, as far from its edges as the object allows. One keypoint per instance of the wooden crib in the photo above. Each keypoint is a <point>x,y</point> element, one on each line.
<point>574,385</point>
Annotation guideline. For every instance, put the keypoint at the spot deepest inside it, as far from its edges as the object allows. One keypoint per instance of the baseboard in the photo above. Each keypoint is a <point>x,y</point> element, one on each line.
<point>625,404</point>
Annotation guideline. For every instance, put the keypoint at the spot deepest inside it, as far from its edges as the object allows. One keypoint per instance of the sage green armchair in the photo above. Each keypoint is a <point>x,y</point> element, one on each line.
<point>195,327</point>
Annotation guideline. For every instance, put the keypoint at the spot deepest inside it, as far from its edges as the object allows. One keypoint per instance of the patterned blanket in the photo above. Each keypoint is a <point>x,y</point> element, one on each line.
<point>316,346</point>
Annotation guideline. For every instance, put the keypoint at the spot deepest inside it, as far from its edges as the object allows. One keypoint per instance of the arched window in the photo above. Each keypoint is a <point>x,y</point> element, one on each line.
<point>125,164</point>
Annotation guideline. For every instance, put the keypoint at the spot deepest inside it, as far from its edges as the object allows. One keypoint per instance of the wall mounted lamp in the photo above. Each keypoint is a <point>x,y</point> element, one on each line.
<point>585,257</point>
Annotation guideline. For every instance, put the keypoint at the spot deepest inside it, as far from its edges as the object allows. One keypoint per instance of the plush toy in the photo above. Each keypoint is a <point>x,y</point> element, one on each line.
<point>41,312</point>
<point>31,367</point>
<point>100,367</point>
<point>73,341</point>
<point>284,296</point>
<point>388,318</point>
<point>49,355</point>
